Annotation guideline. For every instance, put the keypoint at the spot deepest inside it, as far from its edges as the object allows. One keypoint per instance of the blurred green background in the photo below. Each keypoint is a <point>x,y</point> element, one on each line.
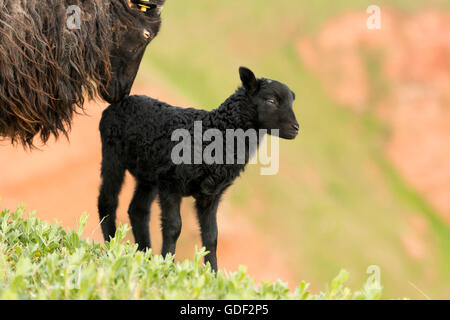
<point>337,201</point>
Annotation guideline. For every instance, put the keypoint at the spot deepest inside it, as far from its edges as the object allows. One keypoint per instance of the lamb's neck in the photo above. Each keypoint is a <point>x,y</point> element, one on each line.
<point>237,112</point>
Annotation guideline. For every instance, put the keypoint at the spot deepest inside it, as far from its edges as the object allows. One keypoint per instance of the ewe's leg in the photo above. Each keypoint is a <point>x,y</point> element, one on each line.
<point>112,179</point>
<point>139,213</point>
<point>207,217</point>
<point>171,221</point>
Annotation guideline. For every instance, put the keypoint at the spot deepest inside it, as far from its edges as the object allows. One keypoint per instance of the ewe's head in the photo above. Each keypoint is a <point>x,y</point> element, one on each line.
<point>274,101</point>
<point>131,38</point>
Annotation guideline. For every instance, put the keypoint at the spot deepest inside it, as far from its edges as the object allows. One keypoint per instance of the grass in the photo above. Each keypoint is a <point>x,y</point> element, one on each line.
<point>39,260</point>
<point>336,200</point>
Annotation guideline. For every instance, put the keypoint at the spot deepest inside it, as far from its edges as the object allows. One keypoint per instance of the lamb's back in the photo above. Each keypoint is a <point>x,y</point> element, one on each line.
<point>148,118</point>
<point>140,130</point>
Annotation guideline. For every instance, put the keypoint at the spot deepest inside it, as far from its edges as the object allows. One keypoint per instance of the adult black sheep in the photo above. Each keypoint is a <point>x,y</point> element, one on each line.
<point>47,69</point>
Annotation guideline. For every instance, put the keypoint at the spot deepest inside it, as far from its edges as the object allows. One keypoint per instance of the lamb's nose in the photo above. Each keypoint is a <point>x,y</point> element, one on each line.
<point>296,127</point>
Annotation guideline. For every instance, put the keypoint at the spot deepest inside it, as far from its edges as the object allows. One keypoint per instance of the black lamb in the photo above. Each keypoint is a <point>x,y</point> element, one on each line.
<point>137,135</point>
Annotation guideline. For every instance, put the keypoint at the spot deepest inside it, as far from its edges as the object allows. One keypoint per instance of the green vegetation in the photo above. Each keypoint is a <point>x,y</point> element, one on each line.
<point>336,201</point>
<point>39,260</point>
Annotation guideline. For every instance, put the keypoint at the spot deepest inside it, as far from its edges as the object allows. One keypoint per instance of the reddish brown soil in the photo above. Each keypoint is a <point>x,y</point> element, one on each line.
<point>415,60</point>
<point>61,181</point>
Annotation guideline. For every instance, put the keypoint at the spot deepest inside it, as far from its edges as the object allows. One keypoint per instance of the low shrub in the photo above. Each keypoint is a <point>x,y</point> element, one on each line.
<point>39,260</point>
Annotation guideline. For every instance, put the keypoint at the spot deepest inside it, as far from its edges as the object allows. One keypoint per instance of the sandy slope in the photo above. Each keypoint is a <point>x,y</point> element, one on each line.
<point>414,56</point>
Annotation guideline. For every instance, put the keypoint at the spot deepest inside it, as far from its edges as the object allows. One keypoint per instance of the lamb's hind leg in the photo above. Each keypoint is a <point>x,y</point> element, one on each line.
<point>139,212</point>
<point>112,178</point>
<point>207,217</point>
<point>171,221</point>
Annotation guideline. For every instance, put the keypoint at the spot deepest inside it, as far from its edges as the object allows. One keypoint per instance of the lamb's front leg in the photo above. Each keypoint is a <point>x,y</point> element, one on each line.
<point>171,221</point>
<point>139,212</point>
<point>207,217</point>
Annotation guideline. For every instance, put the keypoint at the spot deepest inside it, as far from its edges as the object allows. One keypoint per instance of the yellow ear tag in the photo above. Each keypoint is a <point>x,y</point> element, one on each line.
<point>144,8</point>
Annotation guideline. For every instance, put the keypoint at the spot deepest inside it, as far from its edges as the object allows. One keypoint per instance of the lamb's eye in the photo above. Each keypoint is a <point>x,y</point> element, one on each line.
<point>147,34</point>
<point>271,101</point>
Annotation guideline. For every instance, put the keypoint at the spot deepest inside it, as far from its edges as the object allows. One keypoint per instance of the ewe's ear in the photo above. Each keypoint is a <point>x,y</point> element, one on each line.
<point>248,79</point>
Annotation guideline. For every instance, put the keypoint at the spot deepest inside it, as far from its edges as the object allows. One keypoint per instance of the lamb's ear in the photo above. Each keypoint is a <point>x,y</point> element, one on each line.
<point>248,79</point>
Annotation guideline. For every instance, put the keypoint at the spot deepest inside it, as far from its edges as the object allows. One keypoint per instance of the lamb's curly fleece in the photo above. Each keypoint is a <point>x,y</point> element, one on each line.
<point>136,135</point>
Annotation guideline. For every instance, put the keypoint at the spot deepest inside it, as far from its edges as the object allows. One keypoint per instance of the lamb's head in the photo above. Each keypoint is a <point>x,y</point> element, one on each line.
<point>273,101</point>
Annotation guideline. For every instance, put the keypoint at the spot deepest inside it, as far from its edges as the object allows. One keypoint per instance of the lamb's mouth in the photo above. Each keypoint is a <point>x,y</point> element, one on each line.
<point>290,135</point>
